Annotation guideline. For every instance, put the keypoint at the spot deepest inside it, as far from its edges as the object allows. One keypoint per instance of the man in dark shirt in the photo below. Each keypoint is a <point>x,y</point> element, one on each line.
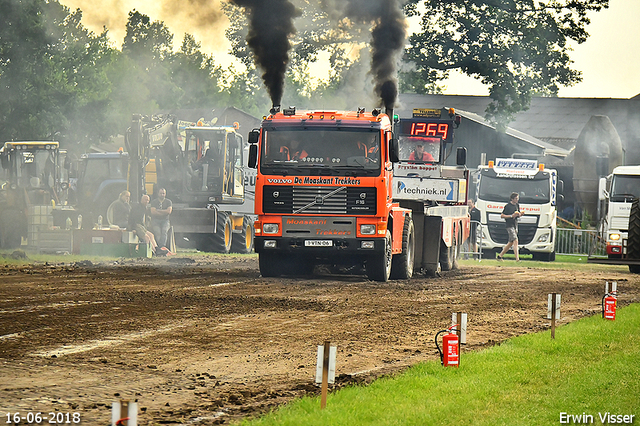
<point>121,209</point>
<point>138,222</point>
<point>510,214</point>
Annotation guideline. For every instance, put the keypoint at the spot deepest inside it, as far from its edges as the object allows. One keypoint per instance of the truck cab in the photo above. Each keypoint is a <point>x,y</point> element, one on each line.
<point>624,185</point>
<point>539,190</point>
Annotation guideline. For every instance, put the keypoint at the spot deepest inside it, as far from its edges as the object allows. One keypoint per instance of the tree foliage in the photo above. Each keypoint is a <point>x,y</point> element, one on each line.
<point>515,47</point>
<point>60,81</point>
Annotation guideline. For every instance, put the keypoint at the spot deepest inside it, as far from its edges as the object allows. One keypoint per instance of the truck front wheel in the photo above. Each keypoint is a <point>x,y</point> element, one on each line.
<point>379,265</point>
<point>270,264</point>
<point>402,264</point>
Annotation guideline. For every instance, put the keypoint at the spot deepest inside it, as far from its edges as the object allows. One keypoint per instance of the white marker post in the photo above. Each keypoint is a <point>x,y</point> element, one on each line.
<point>461,330</point>
<point>120,407</point>
<point>614,288</point>
<point>553,311</point>
<point>326,370</point>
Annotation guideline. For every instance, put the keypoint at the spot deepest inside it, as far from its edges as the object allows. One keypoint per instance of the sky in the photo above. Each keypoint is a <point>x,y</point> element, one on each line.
<point>609,60</point>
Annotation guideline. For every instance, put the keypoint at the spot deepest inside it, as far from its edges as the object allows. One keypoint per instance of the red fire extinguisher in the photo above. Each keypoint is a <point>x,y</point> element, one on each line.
<point>450,353</point>
<point>609,303</point>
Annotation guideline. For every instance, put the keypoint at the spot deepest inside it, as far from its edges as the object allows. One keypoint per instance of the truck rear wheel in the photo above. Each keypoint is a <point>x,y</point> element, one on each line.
<point>243,242</point>
<point>379,265</point>
<point>633,241</point>
<point>447,255</point>
<point>402,264</point>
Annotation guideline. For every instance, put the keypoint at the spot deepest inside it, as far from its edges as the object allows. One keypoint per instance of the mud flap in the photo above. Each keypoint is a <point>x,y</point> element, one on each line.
<point>430,256</point>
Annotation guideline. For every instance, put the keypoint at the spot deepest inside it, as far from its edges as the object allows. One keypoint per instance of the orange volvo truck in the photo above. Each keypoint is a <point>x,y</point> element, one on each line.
<point>326,194</point>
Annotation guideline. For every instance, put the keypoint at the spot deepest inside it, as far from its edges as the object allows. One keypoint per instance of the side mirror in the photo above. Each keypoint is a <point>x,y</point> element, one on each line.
<point>253,156</point>
<point>461,156</point>
<point>254,135</point>
<point>602,189</point>
<point>393,150</point>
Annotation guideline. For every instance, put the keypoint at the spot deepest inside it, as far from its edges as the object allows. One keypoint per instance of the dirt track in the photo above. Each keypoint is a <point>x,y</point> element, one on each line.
<point>209,342</point>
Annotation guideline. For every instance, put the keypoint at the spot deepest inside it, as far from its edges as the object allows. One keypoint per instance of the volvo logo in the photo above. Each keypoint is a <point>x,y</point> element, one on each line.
<point>276,194</point>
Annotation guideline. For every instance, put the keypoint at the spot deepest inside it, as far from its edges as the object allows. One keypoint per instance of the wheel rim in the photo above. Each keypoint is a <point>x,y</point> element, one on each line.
<point>248,236</point>
<point>227,234</point>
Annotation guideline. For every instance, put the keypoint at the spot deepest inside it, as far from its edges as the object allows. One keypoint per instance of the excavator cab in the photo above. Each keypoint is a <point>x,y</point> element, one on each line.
<point>214,163</point>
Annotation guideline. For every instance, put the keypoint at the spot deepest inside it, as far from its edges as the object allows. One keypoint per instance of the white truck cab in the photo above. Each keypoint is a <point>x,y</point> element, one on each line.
<point>624,186</point>
<point>539,190</point>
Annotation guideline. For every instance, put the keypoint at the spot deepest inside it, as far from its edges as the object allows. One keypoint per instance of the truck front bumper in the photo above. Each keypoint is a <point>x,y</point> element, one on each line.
<point>347,248</point>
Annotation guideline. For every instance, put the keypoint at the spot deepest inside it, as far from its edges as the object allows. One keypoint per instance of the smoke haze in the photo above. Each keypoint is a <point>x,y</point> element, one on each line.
<point>205,20</point>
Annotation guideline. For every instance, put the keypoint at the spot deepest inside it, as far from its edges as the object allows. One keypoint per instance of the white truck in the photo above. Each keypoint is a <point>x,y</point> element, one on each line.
<point>624,186</point>
<point>539,191</point>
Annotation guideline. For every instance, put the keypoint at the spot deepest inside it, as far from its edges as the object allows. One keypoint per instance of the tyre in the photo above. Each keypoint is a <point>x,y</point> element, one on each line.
<point>243,242</point>
<point>13,226</point>
<point>379,266</point>
<point>402,264</point>
<point>270,264</point>
<point>447,255</point>
<point>222,238</point>
<point>633,240</point>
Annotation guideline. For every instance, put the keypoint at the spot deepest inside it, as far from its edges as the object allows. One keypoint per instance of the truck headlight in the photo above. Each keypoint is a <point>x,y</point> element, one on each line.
<point>614,237</point>
<point>270,228</point>
<point>543,238</point>
<point>368,229</point>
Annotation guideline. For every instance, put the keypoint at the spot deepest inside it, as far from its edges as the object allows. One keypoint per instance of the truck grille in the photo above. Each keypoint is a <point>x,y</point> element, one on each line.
<point>290,199</point>
<point>526,232</point>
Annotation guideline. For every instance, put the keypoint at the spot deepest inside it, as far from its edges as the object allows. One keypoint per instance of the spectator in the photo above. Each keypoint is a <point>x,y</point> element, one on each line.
<point>161,209</point>
<point>138,222</point>
<point>121,210</point>
<point>419,154</point>
<point>510,214</point>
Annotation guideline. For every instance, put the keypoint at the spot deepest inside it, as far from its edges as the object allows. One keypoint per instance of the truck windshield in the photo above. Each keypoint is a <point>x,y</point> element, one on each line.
<point>317,151</point>
<point>419,149</point>
<point>532,191</point>
<point>625,188</point>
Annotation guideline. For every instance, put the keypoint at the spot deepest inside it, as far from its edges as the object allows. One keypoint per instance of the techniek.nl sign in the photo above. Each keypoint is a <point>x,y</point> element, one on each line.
<point>421,189</point>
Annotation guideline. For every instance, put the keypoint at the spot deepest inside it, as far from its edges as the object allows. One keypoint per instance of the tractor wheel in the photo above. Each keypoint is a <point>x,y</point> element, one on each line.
<point>222,238</point>
<point>402,264</point>
<point>633,240</point>
<point>243,242</point>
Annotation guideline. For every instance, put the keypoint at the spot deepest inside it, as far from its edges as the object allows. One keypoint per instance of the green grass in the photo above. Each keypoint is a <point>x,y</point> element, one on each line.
<point>591,367</point>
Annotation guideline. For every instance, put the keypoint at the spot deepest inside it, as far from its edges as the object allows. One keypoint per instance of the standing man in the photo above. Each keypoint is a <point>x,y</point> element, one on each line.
<point>161,208</point>
<point>510,214</point>
<point>474,215</point>
<point>138,222</point>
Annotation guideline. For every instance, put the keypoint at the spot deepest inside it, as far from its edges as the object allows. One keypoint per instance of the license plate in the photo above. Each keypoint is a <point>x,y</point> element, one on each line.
<point>318,243</point>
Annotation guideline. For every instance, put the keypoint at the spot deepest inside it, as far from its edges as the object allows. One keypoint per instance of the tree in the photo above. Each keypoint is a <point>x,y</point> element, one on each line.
<point>516,47</point>
<point>51,77</point>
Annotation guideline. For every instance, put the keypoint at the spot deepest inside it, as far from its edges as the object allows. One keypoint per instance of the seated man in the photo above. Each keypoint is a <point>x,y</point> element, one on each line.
<point>121,210</point>
<point>419,154</point>
<point>138,222</point>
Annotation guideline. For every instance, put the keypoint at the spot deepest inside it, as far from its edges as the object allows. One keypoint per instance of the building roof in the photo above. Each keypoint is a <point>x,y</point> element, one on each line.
<point>552,119</point>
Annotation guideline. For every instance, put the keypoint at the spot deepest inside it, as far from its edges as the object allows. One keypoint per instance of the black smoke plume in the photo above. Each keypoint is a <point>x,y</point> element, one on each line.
<point>388,37</point>
<point>270,25</point>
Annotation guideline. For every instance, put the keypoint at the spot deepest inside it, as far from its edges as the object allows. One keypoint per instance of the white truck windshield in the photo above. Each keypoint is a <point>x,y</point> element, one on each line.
<point>532,191</point>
